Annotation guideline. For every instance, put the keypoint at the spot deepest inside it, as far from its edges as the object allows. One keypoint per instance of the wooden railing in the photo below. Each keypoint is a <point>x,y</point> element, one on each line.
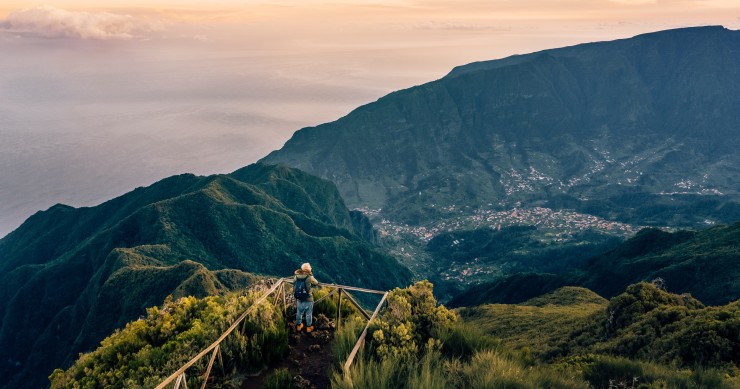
<point>279,290</point>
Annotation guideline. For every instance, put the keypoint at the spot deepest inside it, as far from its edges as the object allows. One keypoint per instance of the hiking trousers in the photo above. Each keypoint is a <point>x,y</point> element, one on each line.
<point>304,307</point>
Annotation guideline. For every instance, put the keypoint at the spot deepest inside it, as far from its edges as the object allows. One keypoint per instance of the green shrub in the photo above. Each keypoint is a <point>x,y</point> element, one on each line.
<point>416,344</point>
<point>427,372</point>
<point>279,379</point>
<point>606,372</point>
<point>641,298</point>
<point>346,337</point>
<point>147,351</point>
<point>486,369</point>
<point>411,321</point>
<point>395,372</point>
<point>464,340</point>
<point>370,373</point>
<point>328,306</point>
<point>489,369</point>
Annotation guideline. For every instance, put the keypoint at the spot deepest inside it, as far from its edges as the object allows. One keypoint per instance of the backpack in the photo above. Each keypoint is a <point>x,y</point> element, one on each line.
<point>300,289</point>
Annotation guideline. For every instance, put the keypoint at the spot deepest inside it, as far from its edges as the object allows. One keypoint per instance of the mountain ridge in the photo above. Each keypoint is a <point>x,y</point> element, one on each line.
<point>591,122</point>
<point>185,235</point>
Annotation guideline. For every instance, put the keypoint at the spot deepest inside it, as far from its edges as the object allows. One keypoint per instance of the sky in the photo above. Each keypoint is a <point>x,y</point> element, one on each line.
<point>100,97</point>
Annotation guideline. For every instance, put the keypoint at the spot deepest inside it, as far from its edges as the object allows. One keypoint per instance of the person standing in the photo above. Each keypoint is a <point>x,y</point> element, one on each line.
<point>302,284</point>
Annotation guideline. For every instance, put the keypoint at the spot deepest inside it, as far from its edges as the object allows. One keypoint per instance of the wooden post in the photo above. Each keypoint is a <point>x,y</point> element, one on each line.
<point>180,379</point>
<point>339,310</point>
<point>326,296</point>
<point>210,365</point>
<point>357,305</point>
<point>244,326</point>
<point>221,362</point>
<point>276,295</point>
<point>285,302</point>
<point>361,340</point>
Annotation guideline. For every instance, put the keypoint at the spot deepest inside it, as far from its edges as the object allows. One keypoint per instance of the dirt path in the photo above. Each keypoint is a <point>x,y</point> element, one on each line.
<point>309,359</point>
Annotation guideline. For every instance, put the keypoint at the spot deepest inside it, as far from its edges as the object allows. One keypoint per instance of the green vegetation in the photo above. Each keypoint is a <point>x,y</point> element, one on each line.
<point>418,344</point>
<point>486,369</point>
<point>516,249</point>
<point>703,263</point>
<point>328,306</point>
<point>279,379</point>
<point>513,289</point>
<point>548,129</point>
<point>560,340</point>
<point>572,338</point>
<point>650,324</point>
<point>148,350</point>
<point>541,328</point>
<point>464,340</point>
<point>680,210</point>
<point>411,322</point>
<point>645,331</point>
<point>345,339</point>
<point>94,269</point>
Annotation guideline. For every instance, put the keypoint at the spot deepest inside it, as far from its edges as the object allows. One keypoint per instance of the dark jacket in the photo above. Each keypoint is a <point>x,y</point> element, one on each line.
<point>310,281</point>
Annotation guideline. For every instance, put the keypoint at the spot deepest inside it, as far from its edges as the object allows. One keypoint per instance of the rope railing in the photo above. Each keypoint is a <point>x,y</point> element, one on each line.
<point>278,287</point>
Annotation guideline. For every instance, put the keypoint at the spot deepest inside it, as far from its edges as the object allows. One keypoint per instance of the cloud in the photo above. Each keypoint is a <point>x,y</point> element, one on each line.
<point>50,22</point>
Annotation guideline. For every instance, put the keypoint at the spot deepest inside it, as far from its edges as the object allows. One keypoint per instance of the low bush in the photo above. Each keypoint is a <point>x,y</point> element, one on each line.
<point>617,372</point>
<point>279,379</point>
<point>148,350</point>
<point>464,340</point>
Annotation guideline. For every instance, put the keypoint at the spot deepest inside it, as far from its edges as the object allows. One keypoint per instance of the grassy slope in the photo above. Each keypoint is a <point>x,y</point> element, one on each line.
<point>644,323</point>
<point>541,324</point>
<point>703,263</point>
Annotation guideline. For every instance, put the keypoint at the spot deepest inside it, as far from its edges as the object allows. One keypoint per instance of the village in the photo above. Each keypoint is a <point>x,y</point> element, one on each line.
<point>559,225</point>
<point>407,243</point>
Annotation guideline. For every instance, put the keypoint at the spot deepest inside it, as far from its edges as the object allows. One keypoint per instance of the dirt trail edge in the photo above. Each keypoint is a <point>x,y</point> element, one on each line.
<point>309,360</point>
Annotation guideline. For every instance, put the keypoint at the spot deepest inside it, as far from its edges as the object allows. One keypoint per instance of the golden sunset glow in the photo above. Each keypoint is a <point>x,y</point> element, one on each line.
<point>530,10</point>
<point>251,71</point>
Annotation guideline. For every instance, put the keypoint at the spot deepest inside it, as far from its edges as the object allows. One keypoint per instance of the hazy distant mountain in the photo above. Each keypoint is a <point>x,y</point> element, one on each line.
<point>644,130</point>
<point>69,277</point>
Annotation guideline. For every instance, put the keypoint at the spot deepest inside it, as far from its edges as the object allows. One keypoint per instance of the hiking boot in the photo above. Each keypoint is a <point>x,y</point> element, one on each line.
<point>299,327</point>
<point>309,329</point>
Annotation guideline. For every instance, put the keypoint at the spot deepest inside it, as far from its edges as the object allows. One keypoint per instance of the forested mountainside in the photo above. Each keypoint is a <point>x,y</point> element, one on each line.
<point>71,276</point>
<point>705,264</point>
<point>641,130</point>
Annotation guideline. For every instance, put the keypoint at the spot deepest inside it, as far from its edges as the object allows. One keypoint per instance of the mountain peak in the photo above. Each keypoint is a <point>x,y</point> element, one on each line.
<point>650,116</point>
<point>678,34</point>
